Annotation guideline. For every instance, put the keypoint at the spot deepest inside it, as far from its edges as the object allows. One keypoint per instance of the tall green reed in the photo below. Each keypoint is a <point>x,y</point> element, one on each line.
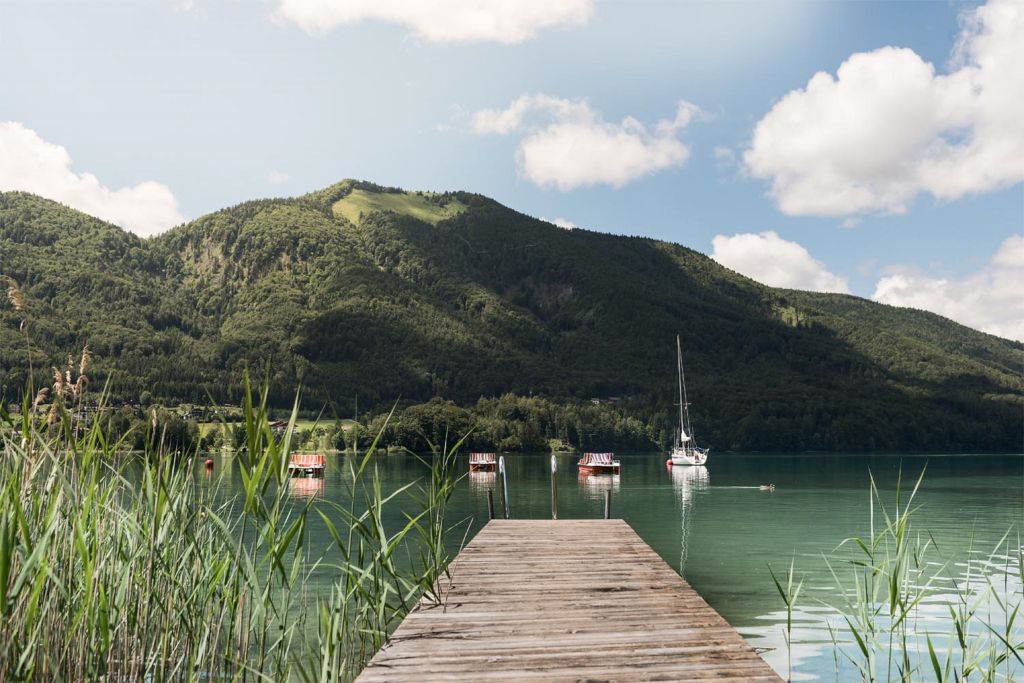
<point>374,588</point>
<point>128,567</point>
<point>789,594</point>
<point>895,591</point>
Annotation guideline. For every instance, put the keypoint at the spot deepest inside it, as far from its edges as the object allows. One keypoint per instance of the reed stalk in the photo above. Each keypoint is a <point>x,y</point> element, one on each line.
<point>885,584</point>
<point>789,594</point>
<point>131,567</point>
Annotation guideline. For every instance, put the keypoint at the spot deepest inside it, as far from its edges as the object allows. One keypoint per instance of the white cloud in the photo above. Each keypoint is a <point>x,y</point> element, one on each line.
<point>30,164</point>
<point>886,128</point>
<point>1010,254</point>
<point>991,300</point>
<point>505,121</point>
<point>502,21</point>
<point>560,222</point>
<point>276,177</point>
<point>776,262</point>
<point>574,147</point>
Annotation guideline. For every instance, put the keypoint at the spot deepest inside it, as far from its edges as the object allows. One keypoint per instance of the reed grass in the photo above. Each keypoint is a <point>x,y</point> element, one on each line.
<point>130,568</point>
<point>790,594</point>
<point>894,589</point>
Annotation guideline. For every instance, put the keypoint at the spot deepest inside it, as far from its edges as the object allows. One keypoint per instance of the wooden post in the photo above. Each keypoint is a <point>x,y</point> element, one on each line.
<point>490,503</point>
<point>554,487</point>
<point>504,486</point>
<point>608,504</point>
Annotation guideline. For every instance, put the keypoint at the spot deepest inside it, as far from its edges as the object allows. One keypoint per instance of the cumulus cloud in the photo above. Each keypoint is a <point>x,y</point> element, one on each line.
<point>31,164</point>
<point>569,145</point>
<point>560,222</point>
<point>502,21</point>
<point>776,262</point>
<point>991,299</point>
<point>887,128</point>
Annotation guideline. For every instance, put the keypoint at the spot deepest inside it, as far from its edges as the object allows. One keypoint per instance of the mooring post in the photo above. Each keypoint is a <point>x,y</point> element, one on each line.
<point>608,504</point>
<point>504,485</point>
<point>490,503</point>
<point>554,487</point>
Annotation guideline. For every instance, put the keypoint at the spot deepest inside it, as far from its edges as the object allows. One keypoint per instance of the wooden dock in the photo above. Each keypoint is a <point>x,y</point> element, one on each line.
<point>567,600</point>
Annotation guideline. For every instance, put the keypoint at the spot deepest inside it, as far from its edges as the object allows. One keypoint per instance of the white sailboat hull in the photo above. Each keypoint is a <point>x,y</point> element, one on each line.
<point>688,456</point>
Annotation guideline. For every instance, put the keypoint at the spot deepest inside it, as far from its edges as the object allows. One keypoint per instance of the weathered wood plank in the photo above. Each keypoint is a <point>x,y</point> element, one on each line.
<point>565,600</point>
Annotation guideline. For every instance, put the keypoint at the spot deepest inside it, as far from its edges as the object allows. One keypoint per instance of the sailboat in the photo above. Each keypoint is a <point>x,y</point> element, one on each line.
<point>684,451</point>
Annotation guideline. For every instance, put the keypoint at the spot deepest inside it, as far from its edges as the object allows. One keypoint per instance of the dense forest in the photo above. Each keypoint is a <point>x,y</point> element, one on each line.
<point>468,313</point>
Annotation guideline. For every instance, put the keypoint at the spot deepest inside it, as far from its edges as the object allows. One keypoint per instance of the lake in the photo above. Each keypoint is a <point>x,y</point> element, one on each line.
<point>715,526</point>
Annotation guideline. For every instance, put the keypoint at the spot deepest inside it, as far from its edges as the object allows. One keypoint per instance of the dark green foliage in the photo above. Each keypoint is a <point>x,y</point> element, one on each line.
<point>517,423</point>
<point>487,303</point>
<point>163,428</point>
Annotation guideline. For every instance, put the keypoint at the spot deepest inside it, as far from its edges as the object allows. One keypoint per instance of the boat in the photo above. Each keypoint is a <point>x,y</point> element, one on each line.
<point>598,463</point>
<point>483,462</point>
<point>684,451</point>
<point>307,465</point>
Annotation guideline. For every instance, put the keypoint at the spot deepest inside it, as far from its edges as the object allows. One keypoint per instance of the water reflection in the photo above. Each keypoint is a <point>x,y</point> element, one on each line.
<point>306,487</point>
<point>687,481</point>
<point>595,485</point>
<point>481,481</point>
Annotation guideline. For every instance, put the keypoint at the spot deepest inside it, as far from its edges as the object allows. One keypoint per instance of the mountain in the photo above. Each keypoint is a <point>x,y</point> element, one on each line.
<point>363,291</point>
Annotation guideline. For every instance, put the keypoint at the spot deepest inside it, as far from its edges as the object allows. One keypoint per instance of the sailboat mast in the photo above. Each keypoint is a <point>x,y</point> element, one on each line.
<point>679,377</point>
<point>684,405</point>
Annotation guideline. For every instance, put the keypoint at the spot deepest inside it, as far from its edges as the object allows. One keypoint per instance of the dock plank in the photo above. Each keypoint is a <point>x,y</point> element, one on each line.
<point>566,600</point>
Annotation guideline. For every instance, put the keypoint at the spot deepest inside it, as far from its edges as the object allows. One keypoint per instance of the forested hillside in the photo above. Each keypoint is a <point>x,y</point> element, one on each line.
<point>368,293</point>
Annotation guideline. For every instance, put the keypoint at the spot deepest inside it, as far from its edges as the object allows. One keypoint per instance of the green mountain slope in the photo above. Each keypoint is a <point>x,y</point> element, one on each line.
<point>358,290</point>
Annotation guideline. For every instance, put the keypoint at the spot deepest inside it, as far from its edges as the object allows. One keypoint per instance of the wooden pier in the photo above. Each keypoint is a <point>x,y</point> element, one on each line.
<point>566,600</point>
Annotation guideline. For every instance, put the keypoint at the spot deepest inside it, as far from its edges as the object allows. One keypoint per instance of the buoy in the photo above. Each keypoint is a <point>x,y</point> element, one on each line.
<point>208,464</point>
<point>668,463</point>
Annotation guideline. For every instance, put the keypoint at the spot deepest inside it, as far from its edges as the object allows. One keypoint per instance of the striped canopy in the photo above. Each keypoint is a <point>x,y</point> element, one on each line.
<point>597,459</point>
<point>307,460</point>
<point>483,457</point>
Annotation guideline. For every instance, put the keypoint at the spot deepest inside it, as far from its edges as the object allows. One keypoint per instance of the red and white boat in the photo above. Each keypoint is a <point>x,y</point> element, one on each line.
<point>483,462</point>
<point>307,465</point>
<point>598,463</point>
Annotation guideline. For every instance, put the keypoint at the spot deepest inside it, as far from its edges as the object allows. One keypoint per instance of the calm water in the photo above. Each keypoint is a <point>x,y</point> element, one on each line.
<point>721,532</point>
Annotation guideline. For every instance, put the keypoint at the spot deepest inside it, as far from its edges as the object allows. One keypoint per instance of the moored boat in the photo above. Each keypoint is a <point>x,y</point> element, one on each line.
<point>307,465</point>
<point>684,450</point>
<point>483,462</point>
<point>598,463</point>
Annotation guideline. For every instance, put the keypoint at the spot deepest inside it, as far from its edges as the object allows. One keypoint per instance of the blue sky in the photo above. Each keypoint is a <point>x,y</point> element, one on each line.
<point>179,107</point>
